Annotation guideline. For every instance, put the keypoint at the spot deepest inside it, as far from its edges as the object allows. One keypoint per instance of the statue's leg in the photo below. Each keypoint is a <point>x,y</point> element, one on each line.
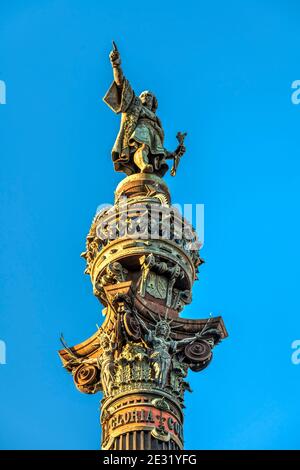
<point>156,370</point>
<point>141,159</point>
<point>156,163</point>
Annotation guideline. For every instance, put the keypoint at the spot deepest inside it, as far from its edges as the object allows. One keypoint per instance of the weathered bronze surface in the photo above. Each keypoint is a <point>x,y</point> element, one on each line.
<point>139,146</point>
<point>143,258</point>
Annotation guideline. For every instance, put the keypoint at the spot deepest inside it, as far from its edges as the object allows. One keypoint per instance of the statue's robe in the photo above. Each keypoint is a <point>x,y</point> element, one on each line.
<point>138,126</point>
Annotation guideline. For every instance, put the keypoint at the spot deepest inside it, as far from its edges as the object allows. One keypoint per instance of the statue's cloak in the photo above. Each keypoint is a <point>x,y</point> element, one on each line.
<point>138,125</point>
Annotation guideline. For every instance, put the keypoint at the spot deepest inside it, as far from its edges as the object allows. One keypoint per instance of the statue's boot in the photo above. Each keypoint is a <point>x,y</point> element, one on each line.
<point>141,160</point>
<point>147,169</point>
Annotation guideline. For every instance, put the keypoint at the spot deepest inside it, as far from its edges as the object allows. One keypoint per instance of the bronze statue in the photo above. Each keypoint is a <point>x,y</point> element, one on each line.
<point>104,361</point>
<point>139,146</point>
<point>163,348</point>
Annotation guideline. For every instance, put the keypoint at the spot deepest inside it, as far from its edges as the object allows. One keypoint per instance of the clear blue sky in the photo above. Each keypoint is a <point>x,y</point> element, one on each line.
<point>222,71</point>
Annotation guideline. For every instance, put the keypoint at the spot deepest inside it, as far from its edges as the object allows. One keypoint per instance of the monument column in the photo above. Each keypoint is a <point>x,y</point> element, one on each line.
<point>143,258</point>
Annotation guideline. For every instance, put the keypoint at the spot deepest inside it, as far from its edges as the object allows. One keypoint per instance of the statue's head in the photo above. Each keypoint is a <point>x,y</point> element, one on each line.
<point>163,328</point>
<point>149,100</point>
<point>104,341</point>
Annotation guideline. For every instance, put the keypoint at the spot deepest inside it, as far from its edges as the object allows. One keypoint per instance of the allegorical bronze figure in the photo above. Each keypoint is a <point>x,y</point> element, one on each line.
<point>163,347</point>
<point>139,146</point>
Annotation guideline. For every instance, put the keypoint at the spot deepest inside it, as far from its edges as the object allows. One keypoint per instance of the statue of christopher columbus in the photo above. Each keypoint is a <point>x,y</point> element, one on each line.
<point>139,146</point>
